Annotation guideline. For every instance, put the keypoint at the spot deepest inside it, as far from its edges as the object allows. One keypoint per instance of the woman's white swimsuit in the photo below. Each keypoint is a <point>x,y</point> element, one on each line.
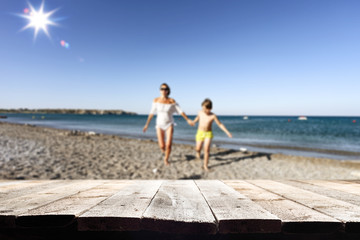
<point>165,113</point>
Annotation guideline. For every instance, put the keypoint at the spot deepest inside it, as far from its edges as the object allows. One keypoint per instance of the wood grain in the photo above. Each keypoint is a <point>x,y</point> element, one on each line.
<point>236,213</point>
<point>348,213</point>
<point>179,207</point>
<point>121,212</point>
<point>296,218</point>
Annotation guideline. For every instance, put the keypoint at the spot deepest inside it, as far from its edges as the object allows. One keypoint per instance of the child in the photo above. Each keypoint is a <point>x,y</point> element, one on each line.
<point>204,133</point>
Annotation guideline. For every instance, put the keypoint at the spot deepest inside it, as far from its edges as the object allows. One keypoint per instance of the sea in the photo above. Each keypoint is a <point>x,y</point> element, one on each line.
<point>318,136</point>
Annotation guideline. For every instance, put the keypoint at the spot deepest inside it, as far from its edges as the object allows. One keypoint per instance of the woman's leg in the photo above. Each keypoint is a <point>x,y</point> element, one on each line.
<point>207,143</point>
<point>169,137</point>
<point>160,135</point>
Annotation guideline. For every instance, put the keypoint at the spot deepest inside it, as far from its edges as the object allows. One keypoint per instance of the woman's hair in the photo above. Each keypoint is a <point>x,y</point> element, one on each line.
<point>207,103</point>
<point>167,86</point>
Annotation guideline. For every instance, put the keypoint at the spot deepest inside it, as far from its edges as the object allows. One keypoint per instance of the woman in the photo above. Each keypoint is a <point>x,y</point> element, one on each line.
<point>165,107</point>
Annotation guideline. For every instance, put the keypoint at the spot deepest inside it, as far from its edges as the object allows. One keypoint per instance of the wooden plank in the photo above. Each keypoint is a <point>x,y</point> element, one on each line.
<point>343,211</point>
<point>236,213</point>
<point>62,212</point>
<point>9,182</point>
<point>306,185</point>
<point>11,208</point>
<point>122,211</point>
<point>180,208</point>
<point>347,187</point>
<point>28,187</point>
<point>353,181</point>
<point>296,218</point>
<point>17,185</point>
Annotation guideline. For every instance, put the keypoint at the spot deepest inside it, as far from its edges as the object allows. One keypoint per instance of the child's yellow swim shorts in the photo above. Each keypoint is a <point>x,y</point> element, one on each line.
<point>201,135</point>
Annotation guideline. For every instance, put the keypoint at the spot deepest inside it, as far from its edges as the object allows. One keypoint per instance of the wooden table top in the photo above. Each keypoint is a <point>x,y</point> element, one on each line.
<point>183,206</point>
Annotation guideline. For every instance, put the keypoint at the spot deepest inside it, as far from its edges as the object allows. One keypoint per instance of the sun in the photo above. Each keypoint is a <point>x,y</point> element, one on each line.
<point>38,19</point>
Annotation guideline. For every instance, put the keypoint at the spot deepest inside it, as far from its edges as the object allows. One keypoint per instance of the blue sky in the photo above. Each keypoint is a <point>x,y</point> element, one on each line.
<point>251,57</point>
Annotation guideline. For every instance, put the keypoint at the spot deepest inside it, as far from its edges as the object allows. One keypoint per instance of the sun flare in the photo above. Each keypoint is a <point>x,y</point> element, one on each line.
<point>38,19</point>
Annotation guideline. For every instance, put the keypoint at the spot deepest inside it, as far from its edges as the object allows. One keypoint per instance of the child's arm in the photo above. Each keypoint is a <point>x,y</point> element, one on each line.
<point>196,119</point>
<point>222,126</point>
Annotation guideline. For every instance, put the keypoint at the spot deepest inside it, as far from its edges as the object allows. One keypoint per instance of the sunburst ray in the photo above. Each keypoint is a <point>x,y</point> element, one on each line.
<point>38,19</point>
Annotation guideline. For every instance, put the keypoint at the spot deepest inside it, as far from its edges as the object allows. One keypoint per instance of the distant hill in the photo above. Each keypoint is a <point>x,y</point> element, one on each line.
<point>68,111</point>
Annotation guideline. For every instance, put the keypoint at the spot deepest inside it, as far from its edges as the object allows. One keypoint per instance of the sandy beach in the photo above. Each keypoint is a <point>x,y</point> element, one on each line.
<point>29,152</point>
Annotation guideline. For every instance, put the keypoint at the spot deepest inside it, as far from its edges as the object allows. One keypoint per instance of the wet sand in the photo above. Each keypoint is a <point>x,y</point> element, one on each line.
<point>29,152</point>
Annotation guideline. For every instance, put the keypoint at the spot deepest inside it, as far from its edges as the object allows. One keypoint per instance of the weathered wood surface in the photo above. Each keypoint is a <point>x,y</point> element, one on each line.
<point>66,209</point>
<point>332,193</point>
<point>184,206</point>
<point>121,212</point>
<point>343,211</point>
<point>17,189</point>
<point>179,207</point>
<point>342,186</point>
<point>11,208</point>
<point>294,216</point>
<point>235,212</point>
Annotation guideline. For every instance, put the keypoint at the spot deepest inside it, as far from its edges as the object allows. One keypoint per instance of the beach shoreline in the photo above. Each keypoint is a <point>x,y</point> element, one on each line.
<point>331,138</point>
<point>34,152</point>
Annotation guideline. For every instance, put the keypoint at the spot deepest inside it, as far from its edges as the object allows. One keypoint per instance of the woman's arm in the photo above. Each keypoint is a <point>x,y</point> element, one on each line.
<point>222,126</point>
<point>151,115</point>
<point>178,110</point>
<point>191,123</point>
<point>148,122</point>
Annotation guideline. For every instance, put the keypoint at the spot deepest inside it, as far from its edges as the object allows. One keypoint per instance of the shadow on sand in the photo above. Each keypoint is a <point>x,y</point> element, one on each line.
<point>226,161</point>
<point>192,177</point>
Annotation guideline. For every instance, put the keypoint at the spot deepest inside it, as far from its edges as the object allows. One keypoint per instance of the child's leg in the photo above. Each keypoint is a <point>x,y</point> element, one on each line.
<point>160,135</point>
<point>207,143</point>
<point>169,137</point>
<point>198,147</point>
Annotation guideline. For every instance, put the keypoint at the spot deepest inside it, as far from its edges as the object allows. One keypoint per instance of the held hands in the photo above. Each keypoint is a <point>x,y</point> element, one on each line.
<point>229,135</point>
<point>191,123</point>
